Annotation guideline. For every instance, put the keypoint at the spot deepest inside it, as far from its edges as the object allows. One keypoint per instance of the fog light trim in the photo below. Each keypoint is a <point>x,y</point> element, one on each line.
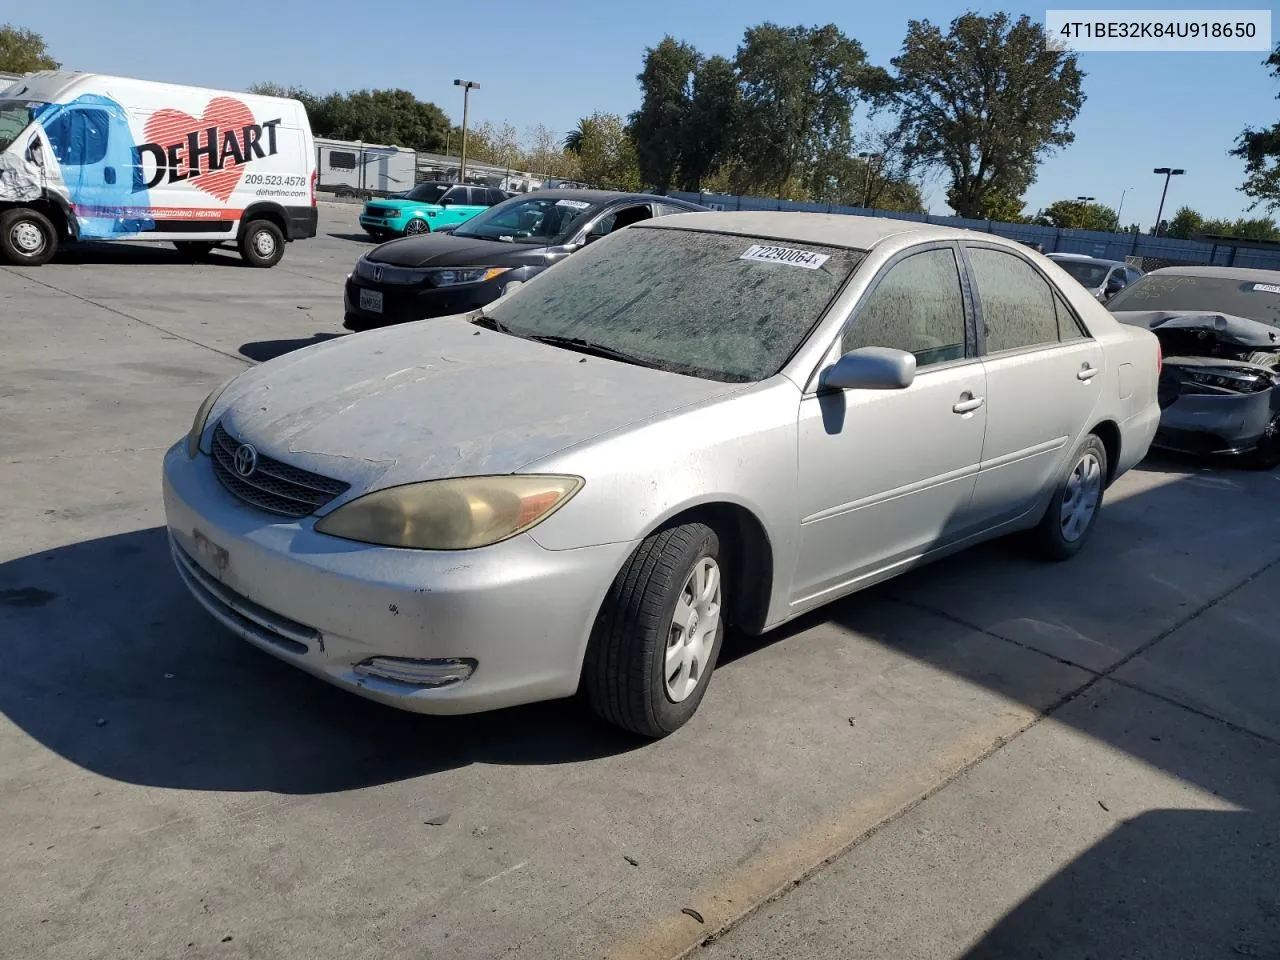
<point>411,672</point>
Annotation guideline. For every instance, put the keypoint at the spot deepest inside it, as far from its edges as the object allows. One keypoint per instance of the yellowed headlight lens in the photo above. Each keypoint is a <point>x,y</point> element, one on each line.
<point>202,416</point>
<point>458,514</point>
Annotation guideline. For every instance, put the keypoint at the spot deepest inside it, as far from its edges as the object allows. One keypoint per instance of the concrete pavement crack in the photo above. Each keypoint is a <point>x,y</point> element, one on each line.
<point>127,316</point>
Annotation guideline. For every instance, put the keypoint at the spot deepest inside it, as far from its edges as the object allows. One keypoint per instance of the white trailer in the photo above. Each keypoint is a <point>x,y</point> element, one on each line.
<point>374,167</point>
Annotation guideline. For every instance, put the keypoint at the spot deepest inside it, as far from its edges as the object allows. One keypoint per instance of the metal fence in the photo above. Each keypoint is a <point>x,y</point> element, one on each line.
<point>1150,252</point>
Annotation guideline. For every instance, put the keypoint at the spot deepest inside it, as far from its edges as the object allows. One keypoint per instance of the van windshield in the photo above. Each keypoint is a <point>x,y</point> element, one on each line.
<point>15,115</point>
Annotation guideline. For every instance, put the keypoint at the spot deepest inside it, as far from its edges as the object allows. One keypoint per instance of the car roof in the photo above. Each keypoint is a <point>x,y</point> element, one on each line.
<point>831,229</point>
<point>1224,273</point>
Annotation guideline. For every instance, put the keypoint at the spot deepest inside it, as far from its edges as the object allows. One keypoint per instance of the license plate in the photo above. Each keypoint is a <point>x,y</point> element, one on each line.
<point>371,300</point>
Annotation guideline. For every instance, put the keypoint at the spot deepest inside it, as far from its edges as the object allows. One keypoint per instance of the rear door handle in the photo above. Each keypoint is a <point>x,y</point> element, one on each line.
<point>1087,372</point>
<point>968,405</point>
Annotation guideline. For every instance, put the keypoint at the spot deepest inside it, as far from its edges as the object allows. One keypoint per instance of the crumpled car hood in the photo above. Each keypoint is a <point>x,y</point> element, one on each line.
<point>1223,327</point>
<point>439,399</point>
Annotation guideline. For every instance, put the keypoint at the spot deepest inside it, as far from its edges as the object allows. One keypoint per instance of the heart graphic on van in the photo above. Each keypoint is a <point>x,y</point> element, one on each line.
<point>193,145</point>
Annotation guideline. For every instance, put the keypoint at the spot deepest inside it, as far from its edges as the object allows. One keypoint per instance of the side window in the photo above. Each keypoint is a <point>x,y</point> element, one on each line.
<point>79,137</point>
<point>496,197</point>
<point>341,160</point>
<point>604,225</point>
<point>917,306</point>
<point>1069,325</point>
<point>456,195</point>
<point>667,209</point>
<point>1134,275</point>
<point>1017,303</point>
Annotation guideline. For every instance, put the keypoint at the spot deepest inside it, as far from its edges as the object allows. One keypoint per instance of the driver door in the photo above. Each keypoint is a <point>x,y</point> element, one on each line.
<point>888,475</point>
<point>457,206</point>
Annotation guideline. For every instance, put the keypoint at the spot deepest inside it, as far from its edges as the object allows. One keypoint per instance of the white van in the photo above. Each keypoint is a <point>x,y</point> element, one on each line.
<point>90,157</point>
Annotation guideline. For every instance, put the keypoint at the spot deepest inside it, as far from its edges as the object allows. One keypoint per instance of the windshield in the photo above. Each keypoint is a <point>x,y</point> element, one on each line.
<point>427,192</point>
<point>1089,274</point>
<point>15,115</point>
<point>718,306</point>
<point>540,220</point>
<point>1251,299</point>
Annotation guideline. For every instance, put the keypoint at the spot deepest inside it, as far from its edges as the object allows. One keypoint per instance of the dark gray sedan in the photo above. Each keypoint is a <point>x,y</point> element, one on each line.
<point>436,275</point>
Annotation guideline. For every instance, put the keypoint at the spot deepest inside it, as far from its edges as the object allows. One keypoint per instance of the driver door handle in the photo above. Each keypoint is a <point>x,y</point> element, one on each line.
<point>968,403</point>
<point>1087,372</point>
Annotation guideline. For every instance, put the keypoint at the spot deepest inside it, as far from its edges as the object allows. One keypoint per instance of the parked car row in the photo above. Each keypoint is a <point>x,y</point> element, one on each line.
<point>579,477</point>
<point>427,208</point>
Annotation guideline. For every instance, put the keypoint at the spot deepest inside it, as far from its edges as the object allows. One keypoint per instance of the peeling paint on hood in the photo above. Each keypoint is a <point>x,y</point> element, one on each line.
<point>438,399</point>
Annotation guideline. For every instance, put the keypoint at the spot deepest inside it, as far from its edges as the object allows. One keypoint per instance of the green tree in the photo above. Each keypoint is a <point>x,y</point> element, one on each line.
<point>544,154</point>
<point>798,87</point>
<point>1002,208</point>
<point>23,51</point>
<point>985,102</point>
<point>710,129</point>
<point>605,152</point>
<point>1260,150</point>
<point>1078,215</point>
<point>658,127</point>
<point>1186,223</point>
<point>1258,228</point>
<point>394,117</point>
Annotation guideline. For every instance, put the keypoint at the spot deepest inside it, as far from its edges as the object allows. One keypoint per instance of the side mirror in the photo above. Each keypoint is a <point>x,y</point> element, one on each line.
<point>871,368</point>
<point>34,152</point>
<point>1114,286</point>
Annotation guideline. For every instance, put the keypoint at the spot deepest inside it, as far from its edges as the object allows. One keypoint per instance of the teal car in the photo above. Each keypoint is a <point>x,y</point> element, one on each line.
<point>426,208</point>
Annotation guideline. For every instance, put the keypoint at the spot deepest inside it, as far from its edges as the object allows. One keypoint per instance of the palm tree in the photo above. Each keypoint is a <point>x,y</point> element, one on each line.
<point>573,141</point>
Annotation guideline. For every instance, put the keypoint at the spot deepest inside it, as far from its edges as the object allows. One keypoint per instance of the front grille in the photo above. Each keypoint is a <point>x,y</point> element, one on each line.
<point>273,486</point>
<point>379,211</point>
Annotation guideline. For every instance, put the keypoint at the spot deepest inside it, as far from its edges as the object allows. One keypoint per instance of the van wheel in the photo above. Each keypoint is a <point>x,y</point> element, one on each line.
<point>27,237</point>
<point>261,243</point>
<point>658,633</point>
<point>193,249</point>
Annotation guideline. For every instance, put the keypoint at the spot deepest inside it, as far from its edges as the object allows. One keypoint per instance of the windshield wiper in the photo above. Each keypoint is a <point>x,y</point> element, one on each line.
<point>482,319</point>
<point>579,345</point>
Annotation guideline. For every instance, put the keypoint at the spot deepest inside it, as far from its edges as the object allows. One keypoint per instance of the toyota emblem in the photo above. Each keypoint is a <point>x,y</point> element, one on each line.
<point>377,274</point>
<point>246,460</point>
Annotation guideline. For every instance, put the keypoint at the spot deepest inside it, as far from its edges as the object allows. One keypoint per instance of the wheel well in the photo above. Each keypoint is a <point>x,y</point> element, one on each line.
<point>1109,434</point>
<point>57,216</point>
<point>750,555</point>
<point>266,212</point>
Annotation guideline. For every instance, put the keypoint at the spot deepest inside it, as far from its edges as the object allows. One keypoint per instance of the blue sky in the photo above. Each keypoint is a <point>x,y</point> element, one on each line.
<point>554,62</point>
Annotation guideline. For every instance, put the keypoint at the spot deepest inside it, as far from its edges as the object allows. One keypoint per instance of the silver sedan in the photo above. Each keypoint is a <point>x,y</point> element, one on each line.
<point>704,420</point>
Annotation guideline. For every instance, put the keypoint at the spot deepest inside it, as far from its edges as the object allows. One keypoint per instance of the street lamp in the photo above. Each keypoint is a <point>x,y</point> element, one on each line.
<point>1121,206</point>
<point>1086,199</point>
<point>467,86</point>
<point>1168,172</point>
<point>866,175</point>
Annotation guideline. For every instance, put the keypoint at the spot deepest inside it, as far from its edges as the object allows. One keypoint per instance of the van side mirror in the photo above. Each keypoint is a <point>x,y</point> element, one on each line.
<point>871,368</point>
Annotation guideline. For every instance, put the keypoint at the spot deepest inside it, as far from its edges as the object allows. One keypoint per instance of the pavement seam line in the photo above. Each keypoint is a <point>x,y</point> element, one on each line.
<point>128,316</point>
<point>1206,714</point>
<point>999,744</point>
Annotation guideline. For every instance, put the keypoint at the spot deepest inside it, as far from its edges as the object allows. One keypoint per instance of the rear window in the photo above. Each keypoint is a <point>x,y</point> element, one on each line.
<point>724,307</point>
<point>1252,299</point>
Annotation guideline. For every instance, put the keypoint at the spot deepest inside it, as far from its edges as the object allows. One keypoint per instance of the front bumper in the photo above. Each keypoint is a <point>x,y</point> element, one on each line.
<point>523,613</point>
<point>376,225</point>
<point>404,303</point>
<point>1217,423</point>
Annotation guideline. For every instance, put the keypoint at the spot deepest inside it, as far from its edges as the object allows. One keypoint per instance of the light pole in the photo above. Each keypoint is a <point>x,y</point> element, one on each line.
<point>467,86</point>
<point>1121,206</point>
<point>868,159</point>
<point>1168,172</point>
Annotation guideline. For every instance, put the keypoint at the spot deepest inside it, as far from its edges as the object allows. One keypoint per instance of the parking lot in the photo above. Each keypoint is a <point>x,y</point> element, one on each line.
<point>988,757</point>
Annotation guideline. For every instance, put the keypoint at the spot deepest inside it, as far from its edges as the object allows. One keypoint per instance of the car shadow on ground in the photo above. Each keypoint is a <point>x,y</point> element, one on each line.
<point>1166,883</point>
<point>91,252</point>
<point>357,237</point>
<point>263,350</point>
<point>110,663</point>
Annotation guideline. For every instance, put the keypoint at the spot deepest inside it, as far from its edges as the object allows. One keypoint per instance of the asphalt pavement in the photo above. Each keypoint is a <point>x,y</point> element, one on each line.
<point>990,757</point>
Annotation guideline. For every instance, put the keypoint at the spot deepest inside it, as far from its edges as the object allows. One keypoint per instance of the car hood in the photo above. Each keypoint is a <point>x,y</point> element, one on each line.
<point>438,399</point>
<point>1225,328</point>
<point>448,250</point>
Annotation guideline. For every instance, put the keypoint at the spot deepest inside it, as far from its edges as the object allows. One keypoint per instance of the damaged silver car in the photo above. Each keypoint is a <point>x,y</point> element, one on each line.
<point>1219,330</point>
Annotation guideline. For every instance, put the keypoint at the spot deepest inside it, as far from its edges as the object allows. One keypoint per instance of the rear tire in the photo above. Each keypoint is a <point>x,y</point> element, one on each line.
<point>193,249</point>
<point>1073,511</point>
<point>658,633</point>
<point>27,237</point>
<point>261,243</point>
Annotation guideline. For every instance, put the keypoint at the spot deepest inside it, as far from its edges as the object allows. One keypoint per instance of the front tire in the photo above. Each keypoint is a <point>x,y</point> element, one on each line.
<point>27,237</point>
<point>415,227</point>
<point>1073,511</point>
<point>261,243</point>
<point>658,634</point>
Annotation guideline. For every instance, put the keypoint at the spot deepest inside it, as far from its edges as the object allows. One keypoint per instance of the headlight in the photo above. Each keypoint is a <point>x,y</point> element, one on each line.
<point>364,269</point>
<point>202,415</point>
<point>450,277</point>
<point>458,514</point>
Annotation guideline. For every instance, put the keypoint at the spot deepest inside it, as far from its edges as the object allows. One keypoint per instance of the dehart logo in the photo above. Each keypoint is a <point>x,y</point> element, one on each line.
<point>210,150</point>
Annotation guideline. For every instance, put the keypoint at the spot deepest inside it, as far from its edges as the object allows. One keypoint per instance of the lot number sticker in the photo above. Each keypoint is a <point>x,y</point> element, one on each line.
<point>1266,288</point>
<point>573,204</point>
<point>787,255</point>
